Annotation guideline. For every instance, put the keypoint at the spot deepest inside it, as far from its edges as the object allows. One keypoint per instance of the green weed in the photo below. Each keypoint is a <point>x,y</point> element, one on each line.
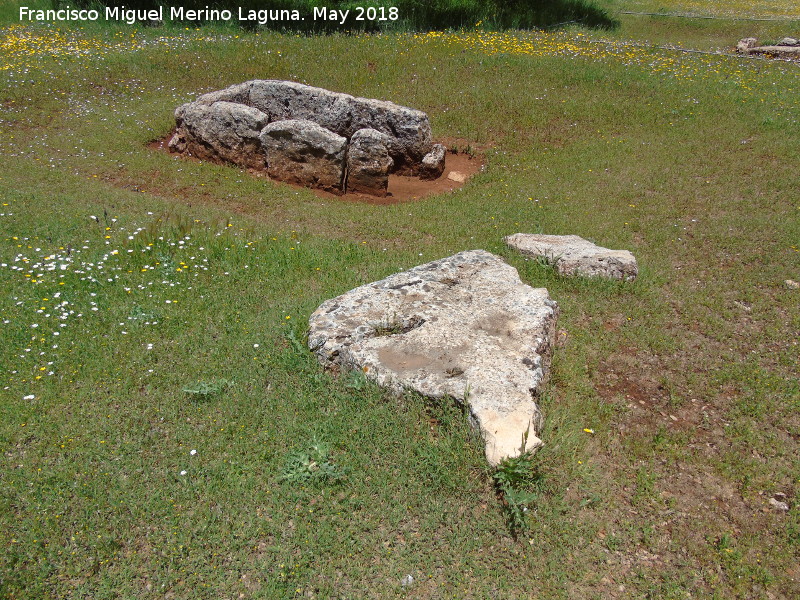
<point>310,465</point>
<point>512,477</point>
<point>204,390</point>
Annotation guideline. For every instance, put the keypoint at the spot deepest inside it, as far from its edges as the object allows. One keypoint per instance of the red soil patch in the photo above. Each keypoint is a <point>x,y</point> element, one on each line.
<point>401,188</point>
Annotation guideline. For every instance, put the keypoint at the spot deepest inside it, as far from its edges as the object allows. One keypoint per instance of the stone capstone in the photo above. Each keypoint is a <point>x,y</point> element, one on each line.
<point>573,255</point>
<point>239,94</point>
<point>464,327</point>
<point>305,153</point>
<point>224,131</point>
<point>432,165</point>
<point>368,162</point>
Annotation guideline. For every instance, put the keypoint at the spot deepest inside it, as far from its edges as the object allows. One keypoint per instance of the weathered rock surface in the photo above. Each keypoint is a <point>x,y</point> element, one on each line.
<point>305,153</point>
<point>343,114</point>
<point>777,51</point>
<point>464,327</point>
<point>786,48</point>
<point>744,45</point>
<point>432,165</point>
<point>368,162</point>
<point>221,131</point>
<point>238,93</point>
<point>457,176</point>
<point>779,505</point>
<point>573,255</point>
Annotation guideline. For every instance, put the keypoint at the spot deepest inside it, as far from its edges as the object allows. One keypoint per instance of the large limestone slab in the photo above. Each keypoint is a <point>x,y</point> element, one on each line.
<point>464,327</point>
<point>220,131</point>
<point>573,255</point>
<point>304,153</point>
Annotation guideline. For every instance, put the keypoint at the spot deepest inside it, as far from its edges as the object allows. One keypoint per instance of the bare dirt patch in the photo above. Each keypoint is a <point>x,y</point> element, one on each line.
<point>402,189</point>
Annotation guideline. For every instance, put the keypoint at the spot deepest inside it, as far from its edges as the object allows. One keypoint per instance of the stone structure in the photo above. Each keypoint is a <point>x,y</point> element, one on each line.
<point>240,125</point>
<point>464,327</point>
<point>432,165</point>
<point>302,152</point>
<point>573,255</point>
<point>786,48</point>
<point>221,131</point>
<point>368,162</point>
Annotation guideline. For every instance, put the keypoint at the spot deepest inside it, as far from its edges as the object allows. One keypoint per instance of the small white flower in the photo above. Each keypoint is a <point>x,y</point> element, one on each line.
<point>255,345</point>
<point>193,452</point>
<point>183,472</point>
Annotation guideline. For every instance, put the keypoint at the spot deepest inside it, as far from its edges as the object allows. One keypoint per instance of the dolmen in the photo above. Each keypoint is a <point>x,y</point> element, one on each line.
<point>309,136</point>
<point>464,327</point>
<point>784,48</point>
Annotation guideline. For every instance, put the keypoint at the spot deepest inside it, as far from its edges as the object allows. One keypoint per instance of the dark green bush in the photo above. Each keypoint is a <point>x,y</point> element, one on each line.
<point>416,15</point>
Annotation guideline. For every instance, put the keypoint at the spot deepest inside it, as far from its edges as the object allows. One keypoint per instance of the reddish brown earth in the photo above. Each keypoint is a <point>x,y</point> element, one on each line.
<point>401,188</point>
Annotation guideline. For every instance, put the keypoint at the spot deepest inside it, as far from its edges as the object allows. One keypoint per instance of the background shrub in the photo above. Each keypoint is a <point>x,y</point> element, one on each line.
<point>417,15</point>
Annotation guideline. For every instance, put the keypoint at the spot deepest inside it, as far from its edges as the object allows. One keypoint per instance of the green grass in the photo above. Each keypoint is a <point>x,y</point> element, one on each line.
<point>203,278</point>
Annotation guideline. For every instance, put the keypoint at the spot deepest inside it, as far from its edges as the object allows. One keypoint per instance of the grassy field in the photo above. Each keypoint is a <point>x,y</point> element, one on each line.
<point>156,391</point>
<point>733,9</point>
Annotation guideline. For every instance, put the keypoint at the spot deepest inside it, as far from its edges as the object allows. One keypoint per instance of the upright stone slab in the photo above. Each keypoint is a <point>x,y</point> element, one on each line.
<point>368,163</point>
<point>223,131</point>
<point>573,255</point>
<point>465,327</point>
<point>304,153</point>
<point>432,165</point>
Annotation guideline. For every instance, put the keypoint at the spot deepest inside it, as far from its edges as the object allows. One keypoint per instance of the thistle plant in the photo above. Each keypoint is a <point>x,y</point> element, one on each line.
<point>203,390</point>
<point>510,478</point>
<point>311,465</point>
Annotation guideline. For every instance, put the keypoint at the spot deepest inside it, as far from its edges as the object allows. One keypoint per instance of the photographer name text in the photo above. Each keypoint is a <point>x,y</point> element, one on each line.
<point>132,16</point>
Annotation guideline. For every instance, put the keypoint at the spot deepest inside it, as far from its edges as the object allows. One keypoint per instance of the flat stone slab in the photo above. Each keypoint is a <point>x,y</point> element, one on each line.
<point>464,327</point>
<point>573,255</point>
